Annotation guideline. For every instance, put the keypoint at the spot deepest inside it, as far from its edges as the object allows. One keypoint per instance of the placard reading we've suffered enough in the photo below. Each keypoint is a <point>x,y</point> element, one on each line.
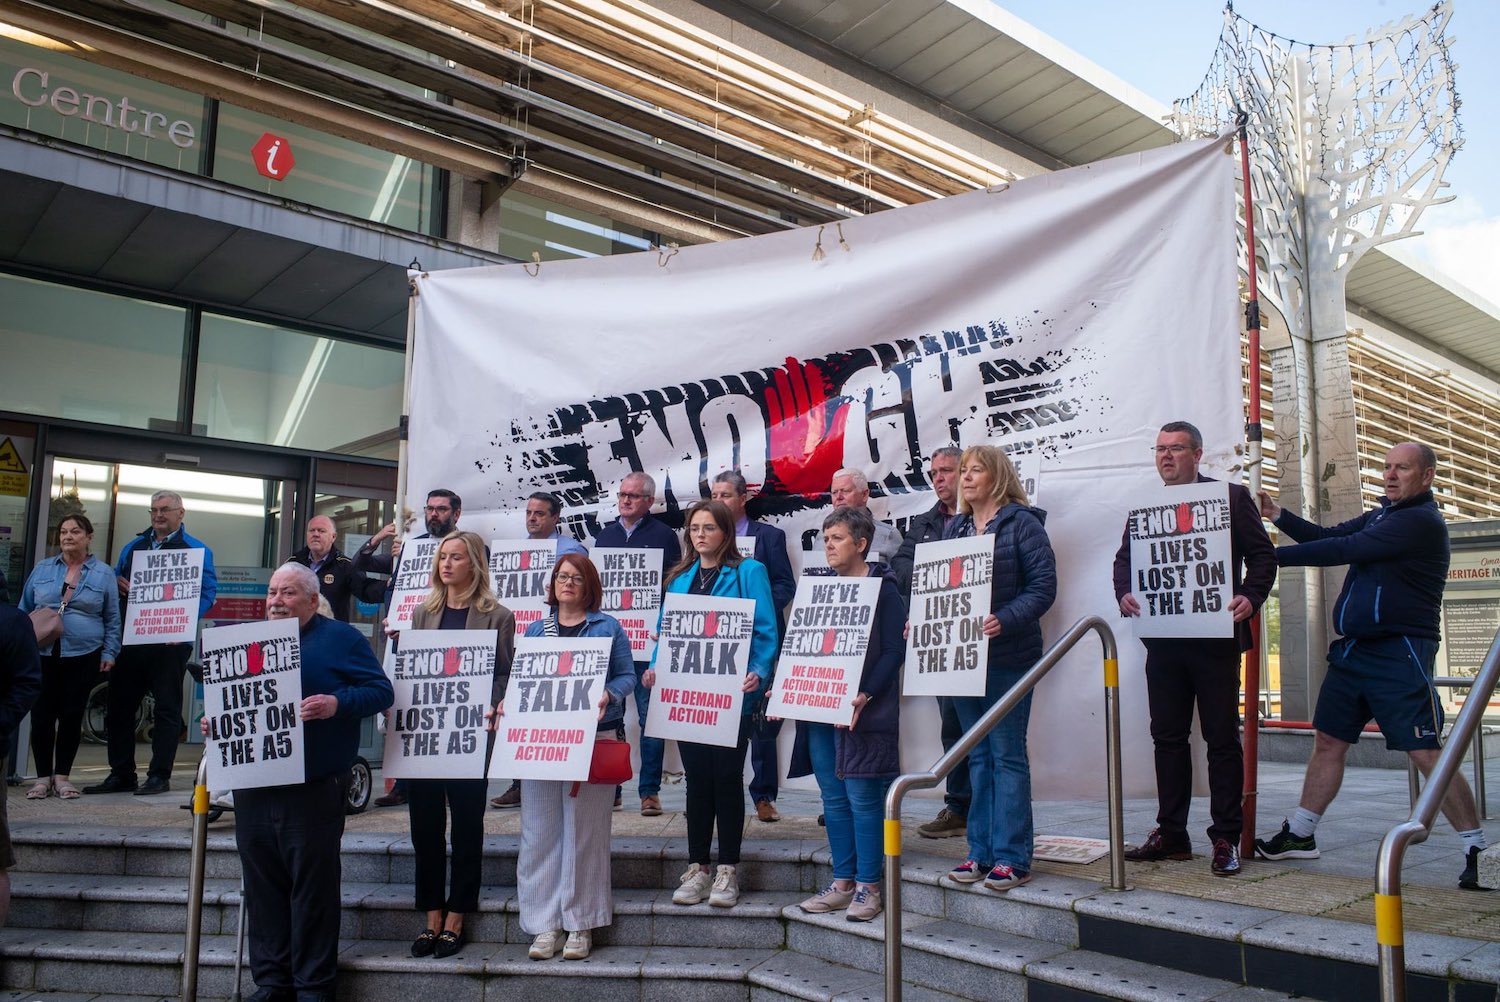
<point>823,654</point>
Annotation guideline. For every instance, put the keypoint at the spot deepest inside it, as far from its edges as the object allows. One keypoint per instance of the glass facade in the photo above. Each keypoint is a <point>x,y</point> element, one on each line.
<point>90,356</point>
<point>261,383</point>
<point>557,232</point>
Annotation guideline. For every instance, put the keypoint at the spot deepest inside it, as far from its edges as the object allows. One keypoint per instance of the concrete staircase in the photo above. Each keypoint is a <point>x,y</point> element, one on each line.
<point>101,912</point>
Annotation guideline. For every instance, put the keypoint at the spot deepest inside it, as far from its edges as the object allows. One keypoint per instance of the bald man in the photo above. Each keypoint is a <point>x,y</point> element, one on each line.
<point>338,579</point>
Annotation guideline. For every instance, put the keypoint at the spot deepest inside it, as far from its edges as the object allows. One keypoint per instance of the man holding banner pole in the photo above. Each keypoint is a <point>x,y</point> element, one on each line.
<point>637,528</point>
<point>730,489</point>
<point>928,527</point>
<point>1181,671</point>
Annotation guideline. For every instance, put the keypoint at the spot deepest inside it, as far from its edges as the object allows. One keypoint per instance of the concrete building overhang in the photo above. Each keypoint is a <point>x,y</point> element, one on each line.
<point>78,214</point>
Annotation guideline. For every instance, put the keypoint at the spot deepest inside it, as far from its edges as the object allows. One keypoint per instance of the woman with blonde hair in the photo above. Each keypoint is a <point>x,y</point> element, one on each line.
<point>991,501</point>
<point>461,598</point>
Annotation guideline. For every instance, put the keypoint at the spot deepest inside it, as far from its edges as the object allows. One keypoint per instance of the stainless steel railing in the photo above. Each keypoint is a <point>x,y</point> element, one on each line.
<point>961,748</point>
<point>1389,932</point>
<point>196,866</point>
<point>1481,802</point>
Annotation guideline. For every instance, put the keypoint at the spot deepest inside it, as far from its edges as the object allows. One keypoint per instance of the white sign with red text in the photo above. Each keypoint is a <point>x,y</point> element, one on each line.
<point>252,695</point>
<point>164,589</point>
<point>701,658</point>
<point>632,585</point>
<point>551,708</point>
<point>519,569</point>
<point>412,581</point>
<point>823,654</point>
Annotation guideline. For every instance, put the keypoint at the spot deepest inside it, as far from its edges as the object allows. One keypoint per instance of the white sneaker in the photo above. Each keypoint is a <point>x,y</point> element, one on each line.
<point>726,892</point>
<point>580,942</point>
<point>695,884</point>
<point>545,945</point>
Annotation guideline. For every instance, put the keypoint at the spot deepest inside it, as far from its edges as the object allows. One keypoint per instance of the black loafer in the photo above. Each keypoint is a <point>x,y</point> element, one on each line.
<point>424,944</point>
<point>113,784</point>
<point>153,785</point>
<point>449,943</point>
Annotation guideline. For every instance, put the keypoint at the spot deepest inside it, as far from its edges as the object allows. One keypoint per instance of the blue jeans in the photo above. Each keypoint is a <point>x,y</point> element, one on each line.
<point>652,749</point>
<point>1000,812</point>
<point>853,810</point>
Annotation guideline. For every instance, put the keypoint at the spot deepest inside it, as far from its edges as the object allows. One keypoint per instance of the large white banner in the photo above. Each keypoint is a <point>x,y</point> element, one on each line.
<point>1054,316</point>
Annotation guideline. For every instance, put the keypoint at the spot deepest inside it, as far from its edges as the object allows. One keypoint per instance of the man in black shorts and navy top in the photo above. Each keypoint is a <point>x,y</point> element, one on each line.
<point>1388,615</point>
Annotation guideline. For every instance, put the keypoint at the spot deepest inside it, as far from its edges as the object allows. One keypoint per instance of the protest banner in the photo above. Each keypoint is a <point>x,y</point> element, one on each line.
<point>252,692</point>
<point>823,654</point>
<point>519,569</point>
<point>412,581</point>
<point>946,651</point>
<point>442,680</point>
<point>701,658</point>
<point>632,593</point>
<point>746,546</point>
<point>552,708</point>
<point>1180,562</point>
<point>162,607</point>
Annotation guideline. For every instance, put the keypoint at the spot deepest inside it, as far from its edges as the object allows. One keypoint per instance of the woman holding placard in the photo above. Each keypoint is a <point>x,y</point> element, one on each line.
<point>854,765</point>
<point>461,598</point>
<point>712,565</point>
<point>991,501</point>
<point>563,875</point>
<point>82,590</point>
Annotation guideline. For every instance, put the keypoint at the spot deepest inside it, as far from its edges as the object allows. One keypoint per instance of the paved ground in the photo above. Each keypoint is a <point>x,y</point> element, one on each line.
<point>1338,885</point>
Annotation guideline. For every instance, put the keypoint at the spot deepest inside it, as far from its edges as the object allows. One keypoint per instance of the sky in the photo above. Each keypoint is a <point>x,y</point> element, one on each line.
<point>1163,48</point>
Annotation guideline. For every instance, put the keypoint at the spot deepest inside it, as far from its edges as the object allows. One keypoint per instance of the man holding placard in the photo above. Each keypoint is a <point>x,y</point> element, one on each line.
<point>154,667</point>
<point>289,836</point>
<point>1160,561</point>
<point>1389,616</point>
<point>638,529</point>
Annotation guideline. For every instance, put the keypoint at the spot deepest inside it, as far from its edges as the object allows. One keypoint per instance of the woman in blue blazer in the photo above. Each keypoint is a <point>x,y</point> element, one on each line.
<point>712,565</point>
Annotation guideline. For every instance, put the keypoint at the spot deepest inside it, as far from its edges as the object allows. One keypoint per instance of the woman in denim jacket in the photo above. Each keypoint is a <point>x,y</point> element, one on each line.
<point>83,588</point>
<point>563,874</point>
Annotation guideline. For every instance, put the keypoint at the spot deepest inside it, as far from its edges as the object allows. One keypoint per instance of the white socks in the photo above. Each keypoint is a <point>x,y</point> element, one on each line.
<point>1473,839</point>
<point>1304,822</point>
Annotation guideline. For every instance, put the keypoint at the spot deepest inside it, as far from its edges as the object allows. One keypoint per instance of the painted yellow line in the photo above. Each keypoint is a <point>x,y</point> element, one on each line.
<point>892,837</point>
<point>1388,930</point>
<point>1111,673</point>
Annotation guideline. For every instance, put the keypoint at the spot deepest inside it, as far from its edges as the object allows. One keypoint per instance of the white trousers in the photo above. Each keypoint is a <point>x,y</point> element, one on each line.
<point>563,875</point>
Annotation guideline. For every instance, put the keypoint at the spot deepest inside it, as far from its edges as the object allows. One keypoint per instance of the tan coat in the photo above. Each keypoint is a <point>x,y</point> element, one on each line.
<point>500,619</point>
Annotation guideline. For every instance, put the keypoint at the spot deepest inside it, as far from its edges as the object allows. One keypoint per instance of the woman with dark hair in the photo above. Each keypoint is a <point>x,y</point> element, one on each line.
<point>461,598</point>
<point>854,765</point>
<point>712,565</point>
<point>82,588</point>
<point>563,874</point>
<point>991,501</point>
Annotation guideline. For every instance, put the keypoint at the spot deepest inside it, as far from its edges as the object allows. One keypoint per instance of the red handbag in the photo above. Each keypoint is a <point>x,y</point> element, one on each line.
<point>610,765</point>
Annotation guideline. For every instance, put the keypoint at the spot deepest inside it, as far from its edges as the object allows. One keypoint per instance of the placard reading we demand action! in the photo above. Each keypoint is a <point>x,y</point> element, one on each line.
<point>412,581</point>
<point>551,708</point>
<point>252,692</point>
<point>701,659</point>
<point>823,655</point>
<point>162,607</point>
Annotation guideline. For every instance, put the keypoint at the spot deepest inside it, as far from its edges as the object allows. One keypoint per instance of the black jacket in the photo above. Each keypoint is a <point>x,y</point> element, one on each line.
<point>339,581</point>
<point>925,528</point>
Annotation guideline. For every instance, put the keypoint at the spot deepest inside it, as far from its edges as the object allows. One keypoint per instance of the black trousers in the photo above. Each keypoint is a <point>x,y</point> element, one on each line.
<point>960,789</point>
<point>289,840</point>
<point>429,802</point>
<point>157,669</point>
<point>1179,674</point>
<point>57,717</point>
<point>715,793</point>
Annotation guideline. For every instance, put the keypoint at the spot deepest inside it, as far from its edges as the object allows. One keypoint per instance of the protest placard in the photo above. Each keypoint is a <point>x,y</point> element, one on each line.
<point>946,651</point>
<point>552,708</point>
<point>442,680</point>
<point>252,691</point>
<point>746,546</point>
<point>412,581</point>
<point>632,593</point>
<point>519,569</point>
<point>823,654</point>
<point>701,659</point>
<point>162,607</point>
<point>1180,562</point>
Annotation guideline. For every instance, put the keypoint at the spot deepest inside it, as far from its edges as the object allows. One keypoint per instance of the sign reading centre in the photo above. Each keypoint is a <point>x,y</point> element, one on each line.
<point>34,88</point>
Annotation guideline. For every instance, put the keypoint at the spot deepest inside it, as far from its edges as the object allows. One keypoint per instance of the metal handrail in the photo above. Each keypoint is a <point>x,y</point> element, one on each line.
<point>1481,802</point>
<point>961,748</point>
<point>196,866</point>
<point>1389,934</point>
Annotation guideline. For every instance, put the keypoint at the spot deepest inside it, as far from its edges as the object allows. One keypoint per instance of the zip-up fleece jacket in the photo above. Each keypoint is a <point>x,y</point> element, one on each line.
<point>1398,561</point>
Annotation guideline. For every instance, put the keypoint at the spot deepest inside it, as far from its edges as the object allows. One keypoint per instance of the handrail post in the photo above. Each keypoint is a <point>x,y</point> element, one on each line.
<point>960,751</point>
<point>1389,931</point>
<point>196,866</point>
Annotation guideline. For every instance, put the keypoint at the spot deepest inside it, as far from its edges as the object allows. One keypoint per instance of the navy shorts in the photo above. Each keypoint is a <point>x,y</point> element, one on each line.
<point>1389,680</point>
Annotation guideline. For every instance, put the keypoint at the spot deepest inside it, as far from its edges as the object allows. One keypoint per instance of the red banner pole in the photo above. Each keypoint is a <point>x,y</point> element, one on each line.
<point>1253,435</point>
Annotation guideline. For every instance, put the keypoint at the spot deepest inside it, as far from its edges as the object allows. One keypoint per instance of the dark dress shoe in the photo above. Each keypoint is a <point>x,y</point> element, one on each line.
<point>113,784</point>
<point>424,944</point>
<point>273,995</point>
<point>391,799</point>
<point>153,785</point>
<point>1157,847</point>
<point>449,943</point>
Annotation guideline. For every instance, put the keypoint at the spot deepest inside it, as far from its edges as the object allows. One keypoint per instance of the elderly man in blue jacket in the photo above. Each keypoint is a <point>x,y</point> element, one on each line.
<point>289,837</point>
<point>1388,616</point>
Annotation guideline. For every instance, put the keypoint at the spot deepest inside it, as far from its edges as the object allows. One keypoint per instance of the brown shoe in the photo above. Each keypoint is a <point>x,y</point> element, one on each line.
<point>650,807</point>
<point>1156,848</point>
<point>765,810</point>
<point>510,798</point>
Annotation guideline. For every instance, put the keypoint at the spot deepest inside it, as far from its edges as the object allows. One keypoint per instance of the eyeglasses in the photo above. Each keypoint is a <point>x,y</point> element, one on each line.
<point>628,496</point>
<point>165,511</point>
<point>436,510</point>
<point>1175,450</point>
<point>570,579</point>
<point>703,530</point>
